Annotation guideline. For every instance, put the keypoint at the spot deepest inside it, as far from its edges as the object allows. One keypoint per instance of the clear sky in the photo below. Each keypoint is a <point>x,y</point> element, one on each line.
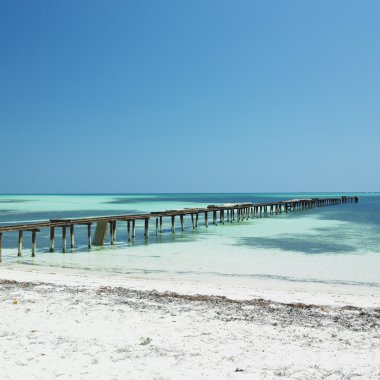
<point>189,96</point>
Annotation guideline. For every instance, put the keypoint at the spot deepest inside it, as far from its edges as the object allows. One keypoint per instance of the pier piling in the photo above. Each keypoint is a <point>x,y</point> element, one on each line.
<point>19,252</point>
<point>72,242</point>
<point>146,228</point>
<point>51,249</point>
<point>89,235</point>
<point>34,242</point>
<point>63,239</point>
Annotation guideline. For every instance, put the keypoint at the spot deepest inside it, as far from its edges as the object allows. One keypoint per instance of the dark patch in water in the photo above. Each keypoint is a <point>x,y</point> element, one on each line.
<point>4,212</point>
<point>13,200</point>
<point>308,245</point>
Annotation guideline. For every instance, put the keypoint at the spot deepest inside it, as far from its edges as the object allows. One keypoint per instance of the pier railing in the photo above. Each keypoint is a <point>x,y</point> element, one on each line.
<point>228,212</point>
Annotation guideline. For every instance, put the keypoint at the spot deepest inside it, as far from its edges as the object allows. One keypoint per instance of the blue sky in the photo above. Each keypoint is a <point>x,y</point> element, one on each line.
<point>189,96</point>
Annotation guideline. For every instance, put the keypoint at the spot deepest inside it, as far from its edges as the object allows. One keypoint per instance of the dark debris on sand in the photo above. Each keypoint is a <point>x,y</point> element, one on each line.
<point>222,308</point>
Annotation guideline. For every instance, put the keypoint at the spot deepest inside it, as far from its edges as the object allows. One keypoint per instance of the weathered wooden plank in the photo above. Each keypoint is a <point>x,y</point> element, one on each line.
<point>100,233</point>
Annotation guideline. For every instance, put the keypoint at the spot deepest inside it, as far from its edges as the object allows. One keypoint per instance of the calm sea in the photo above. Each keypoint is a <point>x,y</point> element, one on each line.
<point>336,244</point>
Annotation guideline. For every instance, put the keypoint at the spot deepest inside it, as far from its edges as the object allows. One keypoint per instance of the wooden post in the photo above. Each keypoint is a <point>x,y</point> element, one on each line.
<point>19,253</point>
<point>173,218</point>
<point>232,215</point>
<point>111,232</point>
<point>129,230</point>
<point>196,220</point>
<point>133,228</point>
<point>146,228</point>
<point>192,220</point>
<point>181,219</point>
<point>156,226</point>
<point>72,243</point>
<point>33,243</point>
<point>206,219</point>
<point>160,224</point>
<point>64,239</point>
<point>89,235</point>
<point>52,239</point>
<point>114,231</point>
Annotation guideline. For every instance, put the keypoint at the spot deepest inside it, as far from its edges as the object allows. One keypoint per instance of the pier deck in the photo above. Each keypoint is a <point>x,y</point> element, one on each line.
<point>232,211</point>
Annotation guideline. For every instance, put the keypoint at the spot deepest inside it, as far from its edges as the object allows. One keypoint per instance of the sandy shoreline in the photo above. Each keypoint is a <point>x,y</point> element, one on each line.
<point>66,325</point>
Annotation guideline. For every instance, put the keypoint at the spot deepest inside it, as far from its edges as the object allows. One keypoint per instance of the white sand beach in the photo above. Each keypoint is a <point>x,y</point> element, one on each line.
<point>70,325</point>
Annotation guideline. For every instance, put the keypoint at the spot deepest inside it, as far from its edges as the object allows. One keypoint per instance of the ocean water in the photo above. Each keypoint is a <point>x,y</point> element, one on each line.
<point>334,245</point>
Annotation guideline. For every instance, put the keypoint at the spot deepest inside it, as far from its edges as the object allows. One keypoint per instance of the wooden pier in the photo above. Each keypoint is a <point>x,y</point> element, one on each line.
<point>228,213</point>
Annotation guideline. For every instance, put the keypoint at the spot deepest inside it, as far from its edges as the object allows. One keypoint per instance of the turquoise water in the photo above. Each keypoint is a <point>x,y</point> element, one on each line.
<point>336,244</point>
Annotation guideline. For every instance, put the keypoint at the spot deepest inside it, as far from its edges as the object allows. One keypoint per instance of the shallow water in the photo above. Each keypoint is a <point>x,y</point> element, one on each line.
<point>335,244</point>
